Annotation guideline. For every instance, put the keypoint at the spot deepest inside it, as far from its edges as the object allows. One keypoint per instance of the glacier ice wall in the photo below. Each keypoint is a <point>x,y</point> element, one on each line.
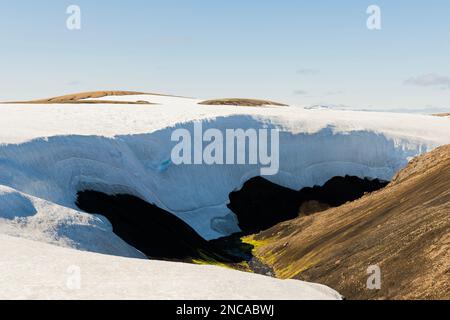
<point>55,168</point>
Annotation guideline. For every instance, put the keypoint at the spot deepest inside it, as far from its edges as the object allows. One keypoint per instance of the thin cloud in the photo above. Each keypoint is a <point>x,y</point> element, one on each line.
<point>334,93</point>
<point>301,92</point>
<point>308,71</point>
<point>74,83</point>
<point>429,80</point>
<point>324,94</point>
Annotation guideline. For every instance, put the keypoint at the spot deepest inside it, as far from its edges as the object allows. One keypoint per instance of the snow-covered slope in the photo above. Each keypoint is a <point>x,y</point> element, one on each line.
<point>36,219</point>
<point>32,270</point>
<point>52,151</point>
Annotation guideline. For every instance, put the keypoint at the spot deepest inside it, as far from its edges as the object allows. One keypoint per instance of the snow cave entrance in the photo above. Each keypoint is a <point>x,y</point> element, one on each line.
<point>261,204</point>
<point>258,206</point>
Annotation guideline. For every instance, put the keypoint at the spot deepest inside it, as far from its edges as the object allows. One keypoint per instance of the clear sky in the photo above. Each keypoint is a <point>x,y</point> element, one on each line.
<point>303,52</point>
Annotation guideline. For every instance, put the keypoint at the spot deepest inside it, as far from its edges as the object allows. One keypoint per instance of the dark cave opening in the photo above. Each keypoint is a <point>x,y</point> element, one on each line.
<point>261,204</point>
<point>153,231</point>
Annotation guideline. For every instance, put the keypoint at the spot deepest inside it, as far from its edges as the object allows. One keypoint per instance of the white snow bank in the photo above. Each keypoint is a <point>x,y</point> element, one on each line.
<point>53,151</point>
<point>35,219</point>
<point>32,270</point>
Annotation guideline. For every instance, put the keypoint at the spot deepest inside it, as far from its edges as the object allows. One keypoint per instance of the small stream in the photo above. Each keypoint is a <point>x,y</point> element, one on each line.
<point>260,268</point>
<point>240,251</point>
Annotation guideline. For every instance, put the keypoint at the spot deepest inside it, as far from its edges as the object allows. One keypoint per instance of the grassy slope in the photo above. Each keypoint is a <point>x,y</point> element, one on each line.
<point>404,228</point>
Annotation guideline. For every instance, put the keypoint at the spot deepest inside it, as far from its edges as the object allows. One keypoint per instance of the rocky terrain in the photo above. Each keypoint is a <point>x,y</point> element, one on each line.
<point>404,229</point>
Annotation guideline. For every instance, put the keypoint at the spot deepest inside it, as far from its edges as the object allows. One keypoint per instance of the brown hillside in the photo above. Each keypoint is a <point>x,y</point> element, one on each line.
<point>403,228</point>
<point>443,114</point>
<point>241,102</point>
<point>78,98</point>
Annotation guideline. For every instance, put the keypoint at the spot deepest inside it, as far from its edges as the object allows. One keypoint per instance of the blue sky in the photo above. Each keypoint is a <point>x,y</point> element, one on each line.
<point>303,52</point>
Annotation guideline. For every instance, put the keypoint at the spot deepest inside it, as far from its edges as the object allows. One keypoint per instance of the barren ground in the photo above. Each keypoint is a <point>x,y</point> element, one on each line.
<point>403,228</point>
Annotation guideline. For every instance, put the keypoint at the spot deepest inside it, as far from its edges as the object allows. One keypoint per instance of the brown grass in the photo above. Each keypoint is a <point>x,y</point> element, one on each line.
<point>79,98</point>
<point>241,102</point>
<point>404,229</point>
<point>442,114</point>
